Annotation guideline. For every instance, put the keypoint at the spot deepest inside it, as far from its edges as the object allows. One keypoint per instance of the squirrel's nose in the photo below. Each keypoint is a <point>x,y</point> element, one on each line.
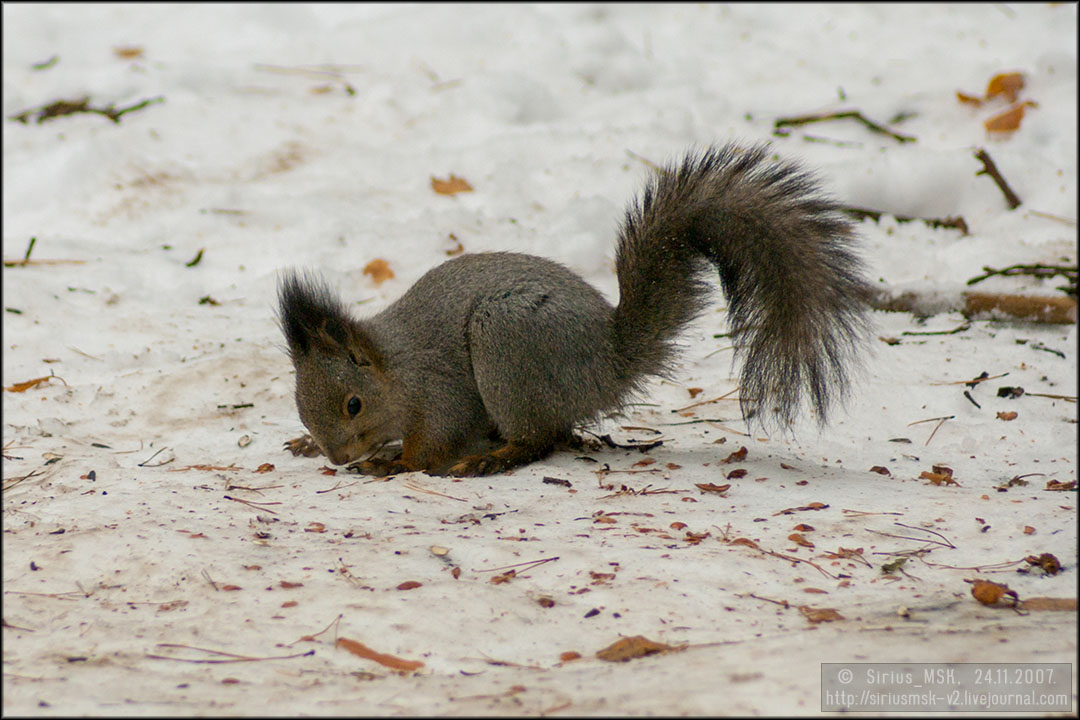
<point>339,457</point>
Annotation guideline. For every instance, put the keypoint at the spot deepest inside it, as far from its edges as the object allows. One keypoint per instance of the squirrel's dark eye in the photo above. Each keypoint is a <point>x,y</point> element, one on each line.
<point>354,406</point>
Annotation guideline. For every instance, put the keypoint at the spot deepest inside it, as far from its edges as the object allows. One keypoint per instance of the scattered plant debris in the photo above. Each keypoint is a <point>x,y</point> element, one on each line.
<point>362,650</point>
<point>989,168</point>
<point>947,223</point>
<point>1046,562</point>
<point>843,115</point>
<point>638,646</point>
<point>451,185</point>
<point>990,593</point>
<point>60,108</point>
<point>379,271</point>
<point>1042,271</point>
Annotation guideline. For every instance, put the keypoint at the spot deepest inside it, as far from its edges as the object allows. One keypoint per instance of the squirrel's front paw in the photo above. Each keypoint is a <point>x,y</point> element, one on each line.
<point>378,467</point>
<point>303,445</point>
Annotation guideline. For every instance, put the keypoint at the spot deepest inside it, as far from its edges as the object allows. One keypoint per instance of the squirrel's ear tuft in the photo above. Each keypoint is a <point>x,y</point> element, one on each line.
<point>306,306</point>
<point>313,318</point>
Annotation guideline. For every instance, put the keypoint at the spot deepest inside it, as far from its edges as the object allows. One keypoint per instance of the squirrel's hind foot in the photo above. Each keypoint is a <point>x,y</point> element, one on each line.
<point>509,456</point>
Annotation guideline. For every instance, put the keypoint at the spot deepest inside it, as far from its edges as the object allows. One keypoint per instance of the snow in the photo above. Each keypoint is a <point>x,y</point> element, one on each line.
<point>307,136</point>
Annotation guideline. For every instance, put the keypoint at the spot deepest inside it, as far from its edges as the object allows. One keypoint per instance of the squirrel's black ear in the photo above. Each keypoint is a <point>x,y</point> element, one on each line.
<point>305,305</point>
<point>312,317</point>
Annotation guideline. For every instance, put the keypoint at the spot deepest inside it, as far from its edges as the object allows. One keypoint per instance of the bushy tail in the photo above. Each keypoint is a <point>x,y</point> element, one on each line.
<point>797,300</point>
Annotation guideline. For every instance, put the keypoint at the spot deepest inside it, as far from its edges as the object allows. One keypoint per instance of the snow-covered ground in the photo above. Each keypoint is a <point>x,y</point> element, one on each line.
<point>150,515</point>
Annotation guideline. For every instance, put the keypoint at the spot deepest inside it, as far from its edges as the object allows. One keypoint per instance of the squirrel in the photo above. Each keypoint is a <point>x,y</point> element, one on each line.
<point>511,351</point>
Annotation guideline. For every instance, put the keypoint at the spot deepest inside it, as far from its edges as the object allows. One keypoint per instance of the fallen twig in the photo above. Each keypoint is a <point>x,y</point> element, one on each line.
<point>61,108</point>
<point>706,402</point>
<point>1069,272</point>
<point>843,115</point>
<point>989,168</point>
<point>257,506</point>
<point>528,565</point>
<point>958,329</point>
<point>941,421</point>
<point>950,223</point>
<point>231,657</point>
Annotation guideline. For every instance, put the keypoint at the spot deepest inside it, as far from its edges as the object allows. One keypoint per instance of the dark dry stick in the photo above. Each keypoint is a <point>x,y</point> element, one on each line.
<point>229,657</point>
<point>1041,271</point>
<point>950,223</point>
<point>82,105</point>
<point>852,114</point>
<point>257,506</point>
<point>989,168</point>
<point>954,331</point>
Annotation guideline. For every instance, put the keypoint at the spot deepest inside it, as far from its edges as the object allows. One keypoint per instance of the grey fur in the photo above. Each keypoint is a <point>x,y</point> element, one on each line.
<point>521,347</point>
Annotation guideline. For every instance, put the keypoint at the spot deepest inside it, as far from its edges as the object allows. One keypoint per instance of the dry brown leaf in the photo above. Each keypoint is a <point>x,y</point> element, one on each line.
<point>1049,564</point>
<point>379,270</point>
<point>315,527</point>
<point>819,615</point>
<point>938,478</point>
<point>1060,486</point>
<point>1008,84</point>
<point>713,488</point>
<point>694,392</point>
<point>811,506</point>
<point>881,470</point>
<point>451,185</point>
<point>409,585</point>
<point>1008,120</point>
<point>968,99</point>
<point>1007,416</point>
<point>800,540</point>
<point>569,656</point>
<point>24,386</point>
<point>285,584</point>
<point>989,593</point>
<point>265,468</point>
<point>745,541</point>
<point>362,650</point>
<point>629,648</point>
<point>128,53</point>
<point>737,456</point>
<point>504,577</point>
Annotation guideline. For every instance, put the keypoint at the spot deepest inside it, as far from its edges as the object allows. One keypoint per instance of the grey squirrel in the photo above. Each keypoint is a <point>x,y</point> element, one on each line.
<point>516,350</point>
